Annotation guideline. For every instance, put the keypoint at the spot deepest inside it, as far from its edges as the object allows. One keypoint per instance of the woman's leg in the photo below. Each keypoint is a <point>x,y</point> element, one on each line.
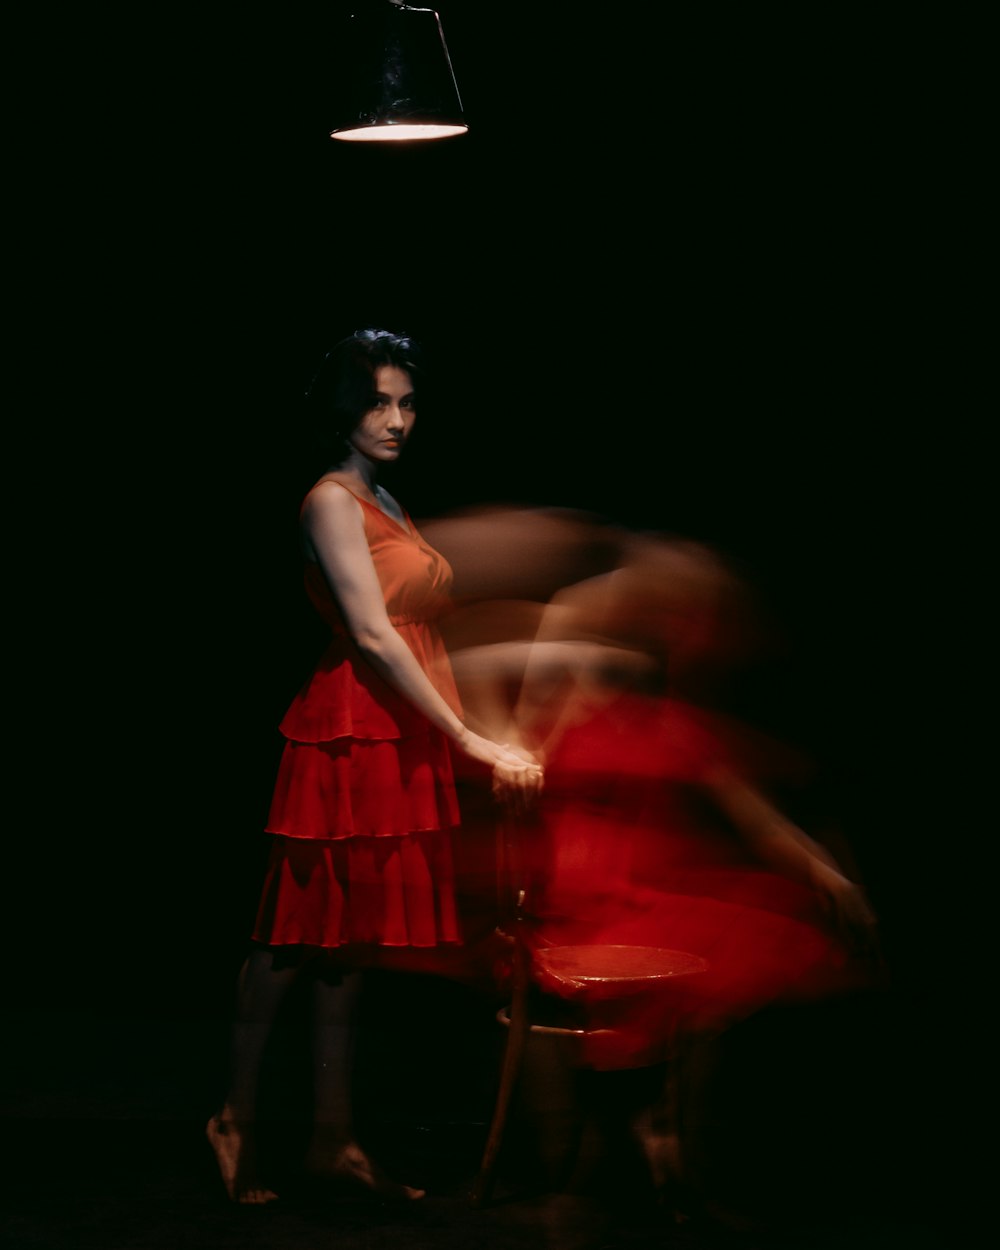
<point>334,1151</point>
<point>261,989</point>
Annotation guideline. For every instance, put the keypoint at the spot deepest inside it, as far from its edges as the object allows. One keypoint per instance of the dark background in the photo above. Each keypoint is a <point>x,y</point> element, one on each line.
<point>700,272</point>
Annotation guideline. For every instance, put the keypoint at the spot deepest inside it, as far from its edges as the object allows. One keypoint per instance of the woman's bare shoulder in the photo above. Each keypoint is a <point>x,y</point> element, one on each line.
<point>329,494</point>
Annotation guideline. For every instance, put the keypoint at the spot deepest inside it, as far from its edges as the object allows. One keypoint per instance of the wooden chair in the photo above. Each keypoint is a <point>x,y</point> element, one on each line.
<point>586,978</point>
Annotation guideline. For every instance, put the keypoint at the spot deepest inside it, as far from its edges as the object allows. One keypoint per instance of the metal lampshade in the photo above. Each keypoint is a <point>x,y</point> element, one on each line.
<point>401,84</point>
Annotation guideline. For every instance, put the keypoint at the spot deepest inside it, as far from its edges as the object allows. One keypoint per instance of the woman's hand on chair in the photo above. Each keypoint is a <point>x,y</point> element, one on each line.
<point>517,774</point>
<point>518,780</point>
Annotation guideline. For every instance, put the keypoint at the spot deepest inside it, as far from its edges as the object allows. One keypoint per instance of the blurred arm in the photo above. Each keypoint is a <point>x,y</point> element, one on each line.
<point>779,842</point>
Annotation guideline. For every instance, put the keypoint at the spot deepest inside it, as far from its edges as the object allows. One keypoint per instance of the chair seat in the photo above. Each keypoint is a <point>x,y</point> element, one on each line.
<point>601,971</point>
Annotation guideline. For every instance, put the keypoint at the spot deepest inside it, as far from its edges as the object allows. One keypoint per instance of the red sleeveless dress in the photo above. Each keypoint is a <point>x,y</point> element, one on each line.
<point>365,799</point>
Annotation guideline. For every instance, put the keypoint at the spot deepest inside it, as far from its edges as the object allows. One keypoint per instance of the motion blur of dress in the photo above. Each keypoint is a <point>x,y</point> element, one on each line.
<point>626,848</point>
<point>365,800</point>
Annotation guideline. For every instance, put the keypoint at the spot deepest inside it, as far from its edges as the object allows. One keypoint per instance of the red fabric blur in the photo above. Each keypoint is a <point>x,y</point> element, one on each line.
<point>627,849</point>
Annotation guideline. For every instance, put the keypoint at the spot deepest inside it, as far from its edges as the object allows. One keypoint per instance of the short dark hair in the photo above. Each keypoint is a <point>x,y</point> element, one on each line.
<point>343,388</point>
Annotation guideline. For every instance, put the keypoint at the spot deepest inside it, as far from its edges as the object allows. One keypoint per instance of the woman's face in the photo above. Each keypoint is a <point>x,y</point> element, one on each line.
<point>384,429</point>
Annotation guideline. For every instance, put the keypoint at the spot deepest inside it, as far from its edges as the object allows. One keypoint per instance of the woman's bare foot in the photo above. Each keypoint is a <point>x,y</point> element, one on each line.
<point>233,1147</point>
<point>347,1163</point>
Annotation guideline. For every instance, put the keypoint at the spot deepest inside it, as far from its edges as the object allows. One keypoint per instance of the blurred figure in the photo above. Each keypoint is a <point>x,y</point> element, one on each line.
<point>656,827</point>
<point>651,788</point>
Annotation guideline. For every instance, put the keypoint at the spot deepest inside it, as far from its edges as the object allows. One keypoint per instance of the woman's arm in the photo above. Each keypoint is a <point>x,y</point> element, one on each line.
<point>778,841</point>
<point>334,534</point>
<point>574,663</point>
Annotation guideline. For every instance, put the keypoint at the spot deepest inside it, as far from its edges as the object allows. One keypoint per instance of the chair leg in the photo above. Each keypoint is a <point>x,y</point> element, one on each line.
<point>517,1032</point>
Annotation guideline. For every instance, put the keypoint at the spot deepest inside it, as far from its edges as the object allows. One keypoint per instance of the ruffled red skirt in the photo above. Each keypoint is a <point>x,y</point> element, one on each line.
<point>362,851</point>
<point>392,891</point>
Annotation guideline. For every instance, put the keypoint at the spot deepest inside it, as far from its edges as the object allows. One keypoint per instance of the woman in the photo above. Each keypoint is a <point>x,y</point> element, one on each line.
<point>360,872</point>
<point>654,796</point>
<point>658,828</point>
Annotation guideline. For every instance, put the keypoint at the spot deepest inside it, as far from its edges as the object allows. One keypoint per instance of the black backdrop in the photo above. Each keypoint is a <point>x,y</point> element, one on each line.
<point>688,272</point>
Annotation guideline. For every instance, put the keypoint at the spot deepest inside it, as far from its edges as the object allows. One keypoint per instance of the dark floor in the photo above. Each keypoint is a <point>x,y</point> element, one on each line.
<point>806,1145</point>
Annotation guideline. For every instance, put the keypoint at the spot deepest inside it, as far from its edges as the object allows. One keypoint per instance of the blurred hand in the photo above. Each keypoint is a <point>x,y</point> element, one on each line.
<point>852,916</point>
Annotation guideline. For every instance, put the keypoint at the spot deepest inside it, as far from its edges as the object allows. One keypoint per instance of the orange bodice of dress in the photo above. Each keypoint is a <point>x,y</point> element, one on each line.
<point>344,697</point>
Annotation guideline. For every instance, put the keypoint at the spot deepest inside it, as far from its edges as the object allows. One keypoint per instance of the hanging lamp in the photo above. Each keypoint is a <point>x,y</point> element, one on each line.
<point>401,82</point>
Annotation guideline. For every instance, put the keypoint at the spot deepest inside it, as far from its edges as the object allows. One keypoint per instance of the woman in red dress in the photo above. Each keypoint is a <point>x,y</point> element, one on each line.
<point>657,828</point>
<point>365,801</point>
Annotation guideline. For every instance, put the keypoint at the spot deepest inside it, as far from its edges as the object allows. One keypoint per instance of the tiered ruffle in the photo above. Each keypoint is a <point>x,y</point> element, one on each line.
<point>362,810</point>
